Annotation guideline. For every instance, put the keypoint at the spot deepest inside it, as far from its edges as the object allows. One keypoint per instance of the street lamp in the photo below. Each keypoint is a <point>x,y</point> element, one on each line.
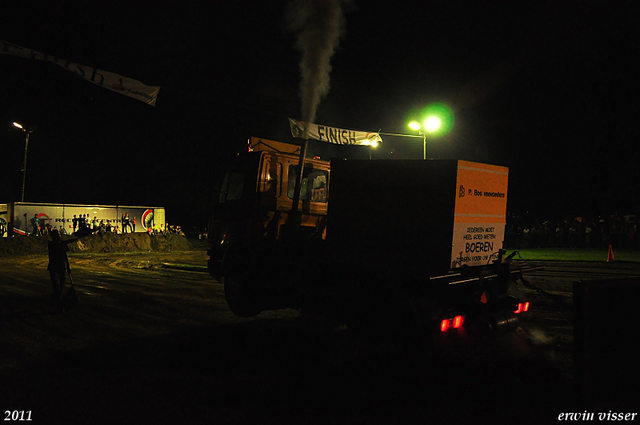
<point>372,145</point>
<point>431,124</point>
<point>26,147</point>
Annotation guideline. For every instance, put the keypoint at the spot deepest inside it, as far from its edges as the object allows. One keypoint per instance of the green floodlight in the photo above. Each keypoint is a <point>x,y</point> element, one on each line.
<point>432,124</point>
<point>439,120</point>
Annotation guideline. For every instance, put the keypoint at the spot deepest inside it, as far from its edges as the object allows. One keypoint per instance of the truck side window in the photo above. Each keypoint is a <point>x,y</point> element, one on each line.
<point>232,186</point>
<point>318,185</point>
<point>313,186</point>
<point>272,173</point>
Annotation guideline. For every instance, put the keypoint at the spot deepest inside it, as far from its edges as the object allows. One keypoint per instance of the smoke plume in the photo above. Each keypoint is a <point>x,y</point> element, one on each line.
<point>318,26</point>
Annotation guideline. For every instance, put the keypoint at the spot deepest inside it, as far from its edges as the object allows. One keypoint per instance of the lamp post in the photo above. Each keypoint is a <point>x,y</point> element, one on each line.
<point>26,147</point>
<point>430,124</point>
<point>372,145</point>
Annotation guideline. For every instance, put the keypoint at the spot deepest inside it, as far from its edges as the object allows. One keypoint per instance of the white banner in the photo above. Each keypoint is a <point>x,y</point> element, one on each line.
<point>105,79</point>
<point>334,135</point>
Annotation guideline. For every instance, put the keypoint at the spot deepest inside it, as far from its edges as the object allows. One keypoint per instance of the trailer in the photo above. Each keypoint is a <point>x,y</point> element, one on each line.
<point>377,239</point>
<point>18,217</point>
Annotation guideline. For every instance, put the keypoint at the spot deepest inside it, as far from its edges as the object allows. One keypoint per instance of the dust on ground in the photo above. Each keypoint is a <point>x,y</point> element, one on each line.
<point>99,243</point>
<point>151,343</point>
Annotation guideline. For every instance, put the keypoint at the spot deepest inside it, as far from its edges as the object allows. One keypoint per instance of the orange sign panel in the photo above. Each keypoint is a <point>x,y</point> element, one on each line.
<point>480,213</point>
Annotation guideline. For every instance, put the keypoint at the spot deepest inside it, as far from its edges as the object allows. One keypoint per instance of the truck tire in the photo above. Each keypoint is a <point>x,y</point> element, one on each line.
<point>240,293</point>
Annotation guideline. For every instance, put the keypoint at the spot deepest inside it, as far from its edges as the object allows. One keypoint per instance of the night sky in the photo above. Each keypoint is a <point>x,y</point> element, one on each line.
<point>545,88</point>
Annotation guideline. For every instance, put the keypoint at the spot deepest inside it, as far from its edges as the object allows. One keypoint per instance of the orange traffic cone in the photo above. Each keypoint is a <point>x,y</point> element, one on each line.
<point>610,256</point>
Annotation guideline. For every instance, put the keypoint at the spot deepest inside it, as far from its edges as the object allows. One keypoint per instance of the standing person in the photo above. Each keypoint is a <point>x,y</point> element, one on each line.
<point>58,265</point>
<point>35,222</point>
<point>75,223</point>
<point>125,222</point>
<point>133,223</point>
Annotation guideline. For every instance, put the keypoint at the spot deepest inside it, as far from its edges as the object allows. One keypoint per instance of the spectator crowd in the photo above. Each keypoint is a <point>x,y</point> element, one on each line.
<point>578,232</point>
<point>42,226</point>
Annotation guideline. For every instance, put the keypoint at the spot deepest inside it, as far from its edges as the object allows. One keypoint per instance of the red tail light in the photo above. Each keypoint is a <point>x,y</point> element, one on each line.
<point>457,322</point>
<point>522,307</point>
<point>444,325</point>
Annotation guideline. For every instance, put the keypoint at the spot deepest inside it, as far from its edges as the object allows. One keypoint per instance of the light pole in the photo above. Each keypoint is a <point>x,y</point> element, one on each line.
<point>430,124</point>
<point>372,145</point>
<point>26,147</point>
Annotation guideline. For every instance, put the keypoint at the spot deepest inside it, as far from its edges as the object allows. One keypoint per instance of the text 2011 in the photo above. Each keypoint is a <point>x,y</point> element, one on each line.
<point>17,415</point>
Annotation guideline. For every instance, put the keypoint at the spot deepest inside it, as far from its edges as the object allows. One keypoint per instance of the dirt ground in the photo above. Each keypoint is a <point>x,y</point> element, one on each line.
<point>97,243</point>
<point>152,341</point>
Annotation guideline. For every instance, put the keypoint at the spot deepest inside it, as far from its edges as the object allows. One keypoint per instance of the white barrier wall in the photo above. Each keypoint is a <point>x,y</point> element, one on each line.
<point>19,216</point>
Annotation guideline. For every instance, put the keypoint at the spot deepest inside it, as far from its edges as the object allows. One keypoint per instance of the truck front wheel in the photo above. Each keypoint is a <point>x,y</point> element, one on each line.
<point>240,293</point>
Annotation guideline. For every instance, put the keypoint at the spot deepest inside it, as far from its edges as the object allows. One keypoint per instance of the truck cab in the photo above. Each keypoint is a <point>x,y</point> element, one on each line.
<point>256,194</point>
<point>251,217</point>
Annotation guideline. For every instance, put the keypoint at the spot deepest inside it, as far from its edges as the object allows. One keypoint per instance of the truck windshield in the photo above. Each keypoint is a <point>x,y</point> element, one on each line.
<point>313,186</point>
<point>232,186</point>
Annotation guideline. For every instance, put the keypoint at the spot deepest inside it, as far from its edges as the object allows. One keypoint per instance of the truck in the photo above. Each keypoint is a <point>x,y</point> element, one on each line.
<point>415,243</point>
